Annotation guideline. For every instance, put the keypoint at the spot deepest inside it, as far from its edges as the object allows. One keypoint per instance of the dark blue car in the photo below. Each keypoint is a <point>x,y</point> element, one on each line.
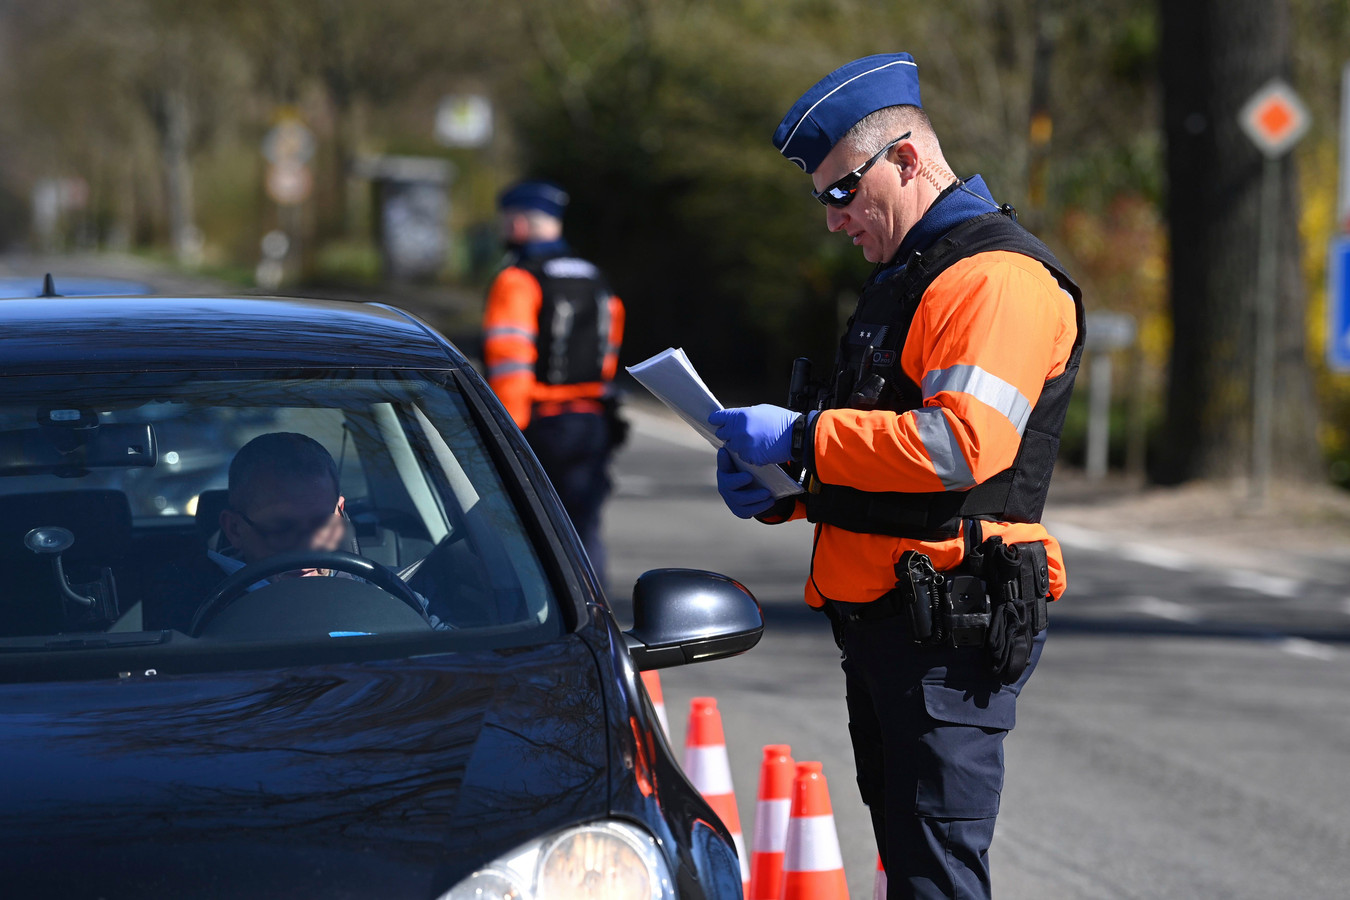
<point>452,712</point>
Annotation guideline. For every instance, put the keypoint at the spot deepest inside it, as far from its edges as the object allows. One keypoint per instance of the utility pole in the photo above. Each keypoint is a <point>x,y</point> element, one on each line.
<point>1275,119</point>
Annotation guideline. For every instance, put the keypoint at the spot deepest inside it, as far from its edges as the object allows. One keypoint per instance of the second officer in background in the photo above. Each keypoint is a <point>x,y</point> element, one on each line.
<point>551,337</point>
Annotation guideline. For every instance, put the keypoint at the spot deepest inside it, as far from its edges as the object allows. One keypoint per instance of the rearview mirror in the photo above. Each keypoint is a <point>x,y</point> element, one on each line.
<point>32,451</point>
<point>688,615</point>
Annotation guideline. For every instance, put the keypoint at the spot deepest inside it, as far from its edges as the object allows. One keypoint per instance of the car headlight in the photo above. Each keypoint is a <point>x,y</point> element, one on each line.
<point>609,860</point>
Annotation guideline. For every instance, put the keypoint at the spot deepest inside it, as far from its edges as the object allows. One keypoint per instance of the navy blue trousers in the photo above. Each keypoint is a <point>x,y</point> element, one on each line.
<point>574,449</point>
<point>928,728</point>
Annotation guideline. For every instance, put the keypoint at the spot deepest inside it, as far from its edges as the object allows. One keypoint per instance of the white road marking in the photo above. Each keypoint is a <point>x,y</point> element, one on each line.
<point>1160,557</point>
<point>1082,538</point>
<point>1270,585</point>
<point>1308,649</point>
<point>1178,612</point>
<point>1166,609</point>
<point>1100,541</point>
<point>634,485</point>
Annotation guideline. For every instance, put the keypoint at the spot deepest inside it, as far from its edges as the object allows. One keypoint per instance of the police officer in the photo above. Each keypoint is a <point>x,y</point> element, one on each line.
<point>551,337</point>
<point>926,458</point>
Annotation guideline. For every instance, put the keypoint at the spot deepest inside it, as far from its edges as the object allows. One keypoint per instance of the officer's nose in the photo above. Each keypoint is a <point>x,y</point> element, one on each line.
<point>835,218</point>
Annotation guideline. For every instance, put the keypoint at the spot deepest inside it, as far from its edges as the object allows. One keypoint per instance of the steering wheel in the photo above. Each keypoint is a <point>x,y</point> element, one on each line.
<point>234,586</point>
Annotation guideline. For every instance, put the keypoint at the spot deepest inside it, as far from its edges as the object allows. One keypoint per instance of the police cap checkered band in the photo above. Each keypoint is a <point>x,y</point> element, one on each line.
<point>840,100</point>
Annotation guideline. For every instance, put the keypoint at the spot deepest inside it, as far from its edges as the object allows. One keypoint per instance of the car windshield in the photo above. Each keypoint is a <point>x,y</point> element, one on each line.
<point>184,520</point>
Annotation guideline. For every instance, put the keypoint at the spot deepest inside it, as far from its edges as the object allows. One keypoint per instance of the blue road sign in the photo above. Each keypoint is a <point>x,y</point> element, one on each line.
<point>1338,304</point>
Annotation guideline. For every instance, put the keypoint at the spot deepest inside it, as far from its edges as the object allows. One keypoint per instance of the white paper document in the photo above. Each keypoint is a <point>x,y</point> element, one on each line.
<point>671,378</point>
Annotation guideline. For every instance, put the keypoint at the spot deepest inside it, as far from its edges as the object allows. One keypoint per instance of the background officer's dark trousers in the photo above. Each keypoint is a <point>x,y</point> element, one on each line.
<point>574,449</point>
<point>928,728</point>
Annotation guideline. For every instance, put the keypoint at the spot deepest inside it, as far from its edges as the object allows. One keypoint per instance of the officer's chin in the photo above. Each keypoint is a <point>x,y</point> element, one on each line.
<point>879,255</point>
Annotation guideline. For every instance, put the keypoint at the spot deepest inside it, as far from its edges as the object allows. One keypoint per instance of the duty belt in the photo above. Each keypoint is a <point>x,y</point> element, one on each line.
<point>955,608</point>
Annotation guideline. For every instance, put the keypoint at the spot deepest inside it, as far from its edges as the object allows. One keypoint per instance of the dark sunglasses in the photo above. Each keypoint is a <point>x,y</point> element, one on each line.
<point>292,530</point>
<point>840,194</point>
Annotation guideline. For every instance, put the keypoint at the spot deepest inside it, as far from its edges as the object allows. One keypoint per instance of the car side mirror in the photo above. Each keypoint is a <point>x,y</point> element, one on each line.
<point>688,615</point>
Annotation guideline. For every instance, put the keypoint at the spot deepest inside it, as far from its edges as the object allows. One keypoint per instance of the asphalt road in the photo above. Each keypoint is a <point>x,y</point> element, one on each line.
<point>1187,734</point>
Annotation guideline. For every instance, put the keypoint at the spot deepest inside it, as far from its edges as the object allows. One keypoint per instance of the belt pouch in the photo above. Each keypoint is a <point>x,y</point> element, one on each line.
<point>1010,629</point>
<point>1034,582</point>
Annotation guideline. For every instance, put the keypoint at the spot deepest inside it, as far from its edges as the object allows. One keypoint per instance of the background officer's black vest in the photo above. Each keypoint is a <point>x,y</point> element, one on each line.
<point>868,375</point>
<point>574,320</point>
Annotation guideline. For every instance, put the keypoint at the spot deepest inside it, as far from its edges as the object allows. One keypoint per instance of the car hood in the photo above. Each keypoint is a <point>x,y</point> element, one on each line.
<point>391,779</point>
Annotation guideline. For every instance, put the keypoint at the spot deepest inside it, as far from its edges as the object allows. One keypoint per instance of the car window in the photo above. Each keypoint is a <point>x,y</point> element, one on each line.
<point>127,502</point>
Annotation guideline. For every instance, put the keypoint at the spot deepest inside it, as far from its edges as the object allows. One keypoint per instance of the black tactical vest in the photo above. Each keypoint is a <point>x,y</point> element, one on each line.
<point>574,320</point>
<point>868,375</point>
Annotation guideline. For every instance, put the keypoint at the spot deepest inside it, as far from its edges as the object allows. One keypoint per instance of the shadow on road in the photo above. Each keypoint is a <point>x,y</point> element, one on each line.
<point>1116,627</point>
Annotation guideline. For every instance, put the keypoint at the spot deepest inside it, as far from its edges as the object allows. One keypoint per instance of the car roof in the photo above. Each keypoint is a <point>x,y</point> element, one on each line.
<point>118,334</point>
<point>32,286</point>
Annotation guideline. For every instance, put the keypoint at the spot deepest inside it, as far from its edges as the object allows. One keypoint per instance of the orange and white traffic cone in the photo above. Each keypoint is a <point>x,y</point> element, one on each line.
<point>653,682</point>
<point>879,886</point>
<point>707,767</point>
<point>772,809</point>
<point>813,867</point>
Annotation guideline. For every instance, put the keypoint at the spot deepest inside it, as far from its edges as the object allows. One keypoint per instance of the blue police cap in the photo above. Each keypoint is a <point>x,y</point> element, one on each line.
<point>841,100</point>
<point>544,196</point>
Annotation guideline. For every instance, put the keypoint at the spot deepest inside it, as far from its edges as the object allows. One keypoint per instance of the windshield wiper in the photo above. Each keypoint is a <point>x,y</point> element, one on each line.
<point>42,643</point>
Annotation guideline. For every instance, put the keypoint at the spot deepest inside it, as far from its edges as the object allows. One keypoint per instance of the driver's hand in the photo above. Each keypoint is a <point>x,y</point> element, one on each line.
<point>302,573</point>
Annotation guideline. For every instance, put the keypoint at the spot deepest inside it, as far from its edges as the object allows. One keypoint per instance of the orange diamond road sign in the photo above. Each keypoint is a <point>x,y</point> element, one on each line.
<point>1274,118</point>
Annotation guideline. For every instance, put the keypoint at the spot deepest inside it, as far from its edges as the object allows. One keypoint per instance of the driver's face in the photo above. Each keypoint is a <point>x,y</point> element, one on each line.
<point>299,514</point>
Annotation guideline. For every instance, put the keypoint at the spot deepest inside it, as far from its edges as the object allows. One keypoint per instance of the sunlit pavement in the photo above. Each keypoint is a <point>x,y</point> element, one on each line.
<point>1186,735</point>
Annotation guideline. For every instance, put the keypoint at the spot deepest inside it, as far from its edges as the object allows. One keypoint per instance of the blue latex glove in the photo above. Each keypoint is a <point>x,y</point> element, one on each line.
<point>760,435</point>
<point>742,494</point>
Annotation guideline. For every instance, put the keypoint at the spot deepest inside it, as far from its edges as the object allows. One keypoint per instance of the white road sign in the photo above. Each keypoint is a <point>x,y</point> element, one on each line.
<point>464,120</point>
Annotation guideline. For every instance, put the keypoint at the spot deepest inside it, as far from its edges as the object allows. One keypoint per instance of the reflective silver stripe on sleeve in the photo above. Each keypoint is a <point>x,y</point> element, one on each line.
<point>509,331</point>
<point>509,368</point>
<point>984,387</point>
<point>940,442</point>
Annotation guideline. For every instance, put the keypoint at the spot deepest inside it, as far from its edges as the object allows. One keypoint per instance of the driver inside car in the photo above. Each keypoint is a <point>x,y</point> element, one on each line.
<point>283,497</point>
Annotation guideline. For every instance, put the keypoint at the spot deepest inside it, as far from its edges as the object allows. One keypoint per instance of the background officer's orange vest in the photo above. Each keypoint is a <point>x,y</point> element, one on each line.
<point>552,332</point>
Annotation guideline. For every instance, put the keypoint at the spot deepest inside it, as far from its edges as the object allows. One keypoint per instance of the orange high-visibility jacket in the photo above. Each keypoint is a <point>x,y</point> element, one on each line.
<point>1000,312</point>
<point>510,352</point>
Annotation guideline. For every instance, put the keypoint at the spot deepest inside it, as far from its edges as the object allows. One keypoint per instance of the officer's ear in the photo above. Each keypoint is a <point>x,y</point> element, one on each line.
<point>905,157</point>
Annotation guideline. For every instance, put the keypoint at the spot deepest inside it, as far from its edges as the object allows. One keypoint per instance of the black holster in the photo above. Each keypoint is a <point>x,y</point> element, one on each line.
<point>921,589</point>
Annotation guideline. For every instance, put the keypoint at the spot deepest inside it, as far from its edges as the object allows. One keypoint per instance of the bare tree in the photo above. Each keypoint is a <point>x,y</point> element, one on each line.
<point>109,80</point>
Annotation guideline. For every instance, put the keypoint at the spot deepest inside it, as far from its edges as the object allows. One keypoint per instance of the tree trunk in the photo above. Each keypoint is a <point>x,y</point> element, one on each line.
<point>1215,54</point>
<point>174,125</point>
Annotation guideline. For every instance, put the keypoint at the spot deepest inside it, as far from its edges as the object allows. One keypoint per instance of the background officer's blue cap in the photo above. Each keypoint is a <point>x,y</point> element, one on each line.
<point>841,100</point>
<point>544,196</point>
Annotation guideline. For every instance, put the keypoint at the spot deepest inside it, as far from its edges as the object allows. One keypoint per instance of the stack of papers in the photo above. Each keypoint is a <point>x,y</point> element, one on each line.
<point>672,379</point>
